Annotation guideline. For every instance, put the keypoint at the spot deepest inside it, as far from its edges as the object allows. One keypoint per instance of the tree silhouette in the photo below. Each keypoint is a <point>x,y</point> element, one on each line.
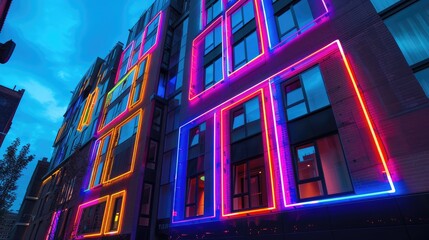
<point>11,167</point>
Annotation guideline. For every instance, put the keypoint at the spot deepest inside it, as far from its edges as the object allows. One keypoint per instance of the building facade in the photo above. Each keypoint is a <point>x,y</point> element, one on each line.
<point>9,102</point>
<point>257,119</point>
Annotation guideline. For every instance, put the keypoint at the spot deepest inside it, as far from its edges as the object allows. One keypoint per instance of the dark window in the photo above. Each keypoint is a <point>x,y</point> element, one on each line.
<point>195,172</point>
<point>114,220</point>
<point>91,219</point>
<point>146,205</point>
<point>321,169</point>
<point>305,93</point>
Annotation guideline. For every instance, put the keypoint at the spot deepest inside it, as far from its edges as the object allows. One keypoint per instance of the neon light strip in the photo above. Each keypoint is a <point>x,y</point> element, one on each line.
<point>97,149</point>
<point>193,122</point>
<point>110,212</point>
<point>257,93</point>
<point>53,225</point>
<point>229,50</point>
<point>197,56</point>
<point>79,215</point>
<point>160,19</point>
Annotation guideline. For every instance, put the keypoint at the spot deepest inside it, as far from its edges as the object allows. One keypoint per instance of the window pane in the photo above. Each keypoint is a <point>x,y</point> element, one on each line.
<point>306,162</point>
<point>200,196</point>
<point>296,111</point>
<point>248,11</point>
<point>208,42</point>
<point>294,93</point>
<point>410,28</point>
<point>208,80</point>
<point>380,5</point>
<point>311,189</point>
<point>239,55</point>
<point>258,188</point>
<point>216,8</point>
<point>218,70</point>
<point>114,222</point>
<point>217,35</point>
<point>423,78</point>
<point>334,166</point>
<point>252,110</point>
<point>146,199</point>
<point>190,196</point>
<point>252,46</point>
<point>303,13</point>
<point>285,23</point>
<point>236,20</point>
<point>238,121</point>
<point>240,179</point>
<point>127,130</point>
<point>314,89</point>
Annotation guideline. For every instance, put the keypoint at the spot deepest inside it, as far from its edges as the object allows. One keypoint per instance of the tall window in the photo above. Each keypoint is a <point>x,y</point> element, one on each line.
<point>213,9</point>
<point>116,211</point>
<point>91,219</point>
<point>292,18</point>
<point>195,172</point>
<point>321,169</point>
<point>249,188</point>
<point>125,60</point>
<point>151,34</point>
<point>410,28</point>
<point>246,50</point>
<point>102,151</point>
<point>213,57</point>
<point>305,93</point>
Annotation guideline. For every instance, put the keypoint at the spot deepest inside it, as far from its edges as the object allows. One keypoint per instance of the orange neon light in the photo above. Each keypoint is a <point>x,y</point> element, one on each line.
<point>259,92</point>
<point>50,177</point>
<point>143,82</point>
<point>86,116</point>
<point>97,158</point>
<point>79,215</point>
<point>110,212</point>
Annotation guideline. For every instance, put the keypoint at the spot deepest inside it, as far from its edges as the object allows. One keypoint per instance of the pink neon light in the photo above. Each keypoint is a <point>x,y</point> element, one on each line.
<point>196,57</point>
<point>268,149</point>
<point>155,45</point>
<point>234,72</point>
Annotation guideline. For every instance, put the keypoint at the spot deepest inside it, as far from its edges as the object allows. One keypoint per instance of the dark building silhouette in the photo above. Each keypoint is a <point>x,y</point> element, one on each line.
<point>250,119</point>
<point>26,211</point>
<point>7,222</point>
<point>9,101</point>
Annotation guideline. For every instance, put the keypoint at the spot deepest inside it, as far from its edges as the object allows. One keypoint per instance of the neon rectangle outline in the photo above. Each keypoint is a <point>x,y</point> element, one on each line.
<point>195,57</point>
<point>141,54</point>
<point>257,93</point>
<point>260,35</point>
<point>108,220</point>
<point>79,215</point>
<point>197,219</point>
<point>97,151</point>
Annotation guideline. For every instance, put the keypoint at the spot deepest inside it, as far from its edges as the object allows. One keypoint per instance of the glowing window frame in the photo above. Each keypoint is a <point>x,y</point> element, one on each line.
<point>127,67</point>
<point>108,219</point>
<point>183,144</point>
<point>160,18</point>
<point>85,118</point>
<point>97,150</point>
<point>271,25</point>
<point>143,82</point>
<point>204,13</point>
<point>268,158</point>
<point>79,215</point>
<point>259,32</point>
<point>197,59</point>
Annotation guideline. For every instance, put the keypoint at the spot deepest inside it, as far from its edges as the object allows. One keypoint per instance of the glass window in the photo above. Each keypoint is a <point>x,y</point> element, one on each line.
<point>100,160</point>
<point>114,221</point>
<point>306,94</point>
<point>213,39</point>
<point>294,18</point>
<point>91,219</point>
<point>242,16</point>
<point>423,78</point>
<point>410,28</point>
<point>213,10</point>
<point>213,73</point>
<point>321,168</point>
<point>246,50</point>
<point>380,5</point>
<point>245,120</point>
<point>151,34</point>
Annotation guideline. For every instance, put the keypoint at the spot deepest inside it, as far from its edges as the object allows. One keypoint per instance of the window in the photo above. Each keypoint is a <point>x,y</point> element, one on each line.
<point>305,93</point>
<point>136,49</point>
<point>321,168</point>
<point>249,188</point>
<point>213,39</point>
<point>195,172</point>
<point>213,73</point>
<point>91,217</point>
<point>242,16</point>
<point>100,160</point>
<point>381,5</point>
<point>213,9</point>
<point>116,211</point>
<point>122,154</point>
<point>146,205</point>
<point>139,83</point>
<point>88,110</point>
<point>125,60</point>
<point>410,28</point>
<point>151,33</point>
<point>293,18</point>
<point>246,50</point>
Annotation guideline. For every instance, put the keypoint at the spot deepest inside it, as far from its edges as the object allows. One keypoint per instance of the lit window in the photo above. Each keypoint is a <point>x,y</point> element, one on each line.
<point>381,5</point>
<point>306,93</point>
<point>321,168</point>
<point>242,16</point>
<point>213,9</point>
<point>249,188</point>
<point>246,50</point>
<point>293,18</point>
<point>102,152</point>
<point>115,213</point>
<point>194,205</point>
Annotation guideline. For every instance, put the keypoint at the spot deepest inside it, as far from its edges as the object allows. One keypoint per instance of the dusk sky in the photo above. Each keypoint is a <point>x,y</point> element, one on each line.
<point>56,42</point>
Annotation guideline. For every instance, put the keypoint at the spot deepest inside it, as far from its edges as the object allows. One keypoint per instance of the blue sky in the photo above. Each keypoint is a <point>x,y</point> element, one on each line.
<point>56,42</point>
